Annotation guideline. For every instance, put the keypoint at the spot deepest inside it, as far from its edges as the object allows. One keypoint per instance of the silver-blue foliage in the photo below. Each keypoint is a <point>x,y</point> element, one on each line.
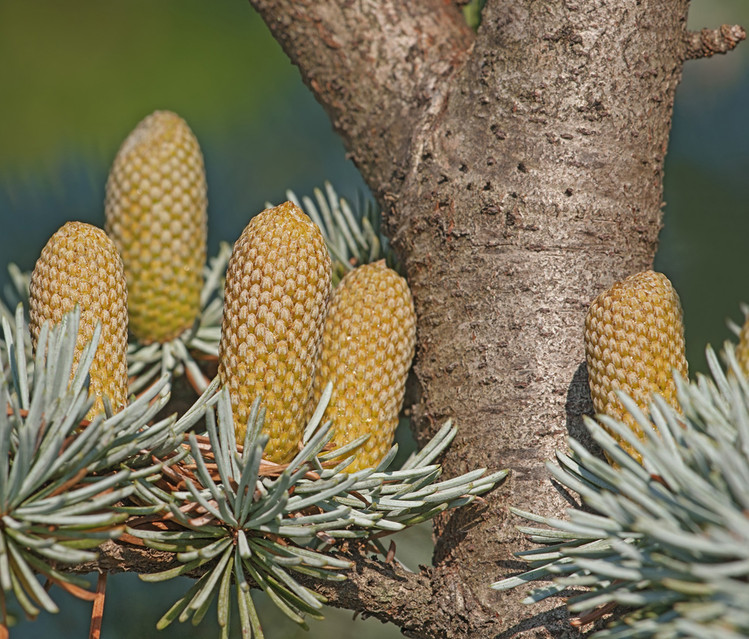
<point>61,477</point>
<point>272,526</point>
<point>666,541</point>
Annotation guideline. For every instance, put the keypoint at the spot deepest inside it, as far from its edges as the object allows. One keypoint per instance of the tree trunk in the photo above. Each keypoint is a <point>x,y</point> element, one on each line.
<point>521,174</point>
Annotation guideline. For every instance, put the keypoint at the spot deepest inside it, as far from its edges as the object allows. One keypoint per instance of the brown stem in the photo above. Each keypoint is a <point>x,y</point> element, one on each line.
<point>708,42</point>
<point>373,587</point>
<point>97,611</point>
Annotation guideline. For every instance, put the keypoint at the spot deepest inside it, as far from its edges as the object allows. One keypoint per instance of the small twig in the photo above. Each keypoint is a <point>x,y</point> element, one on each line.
<point>203,357</point>
<point>203,520</point>
<point>593,615</point>
<point>4,632</point>
<point>70,483</point>
<point>391,553</point>
<point>72,589</point>
<point>708,42</point>
<point>358,495</point>
<point>131,539</point>
<point>198,385</point>
<point>21,411</point>
<point>97,613</point>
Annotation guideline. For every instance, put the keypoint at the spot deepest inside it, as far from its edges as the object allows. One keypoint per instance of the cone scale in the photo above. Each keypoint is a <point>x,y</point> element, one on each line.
<point>276,297</point>
<point>634,340</point>
<point>80,265</point>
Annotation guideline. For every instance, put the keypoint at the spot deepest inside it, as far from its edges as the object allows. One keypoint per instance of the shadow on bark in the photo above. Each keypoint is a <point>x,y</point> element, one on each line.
<point>453,531</point>
<point>555,622</point>
<point>579,403</point>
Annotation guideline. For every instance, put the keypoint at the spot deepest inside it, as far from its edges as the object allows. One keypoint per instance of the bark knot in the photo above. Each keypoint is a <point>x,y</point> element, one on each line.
<point>708,42</point>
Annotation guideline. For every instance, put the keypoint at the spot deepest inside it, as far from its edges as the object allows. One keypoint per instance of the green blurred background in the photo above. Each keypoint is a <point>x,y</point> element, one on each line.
<point>75,78</point>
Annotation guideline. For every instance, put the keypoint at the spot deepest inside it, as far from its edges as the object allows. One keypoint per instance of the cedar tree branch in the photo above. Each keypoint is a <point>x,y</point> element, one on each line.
<point>708,42</point>
<point>373,587</point>
<point>375,66</point>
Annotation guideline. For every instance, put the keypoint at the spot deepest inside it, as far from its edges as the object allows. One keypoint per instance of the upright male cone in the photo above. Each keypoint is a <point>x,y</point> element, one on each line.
<point>634,340</point>
<point>156,214</point>
<point>276,298</point>
<point>80,265</point>
<point>368,345</point>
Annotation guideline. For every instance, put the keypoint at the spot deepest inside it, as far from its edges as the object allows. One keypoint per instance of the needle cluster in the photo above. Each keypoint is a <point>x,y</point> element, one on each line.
<point>665,543</point>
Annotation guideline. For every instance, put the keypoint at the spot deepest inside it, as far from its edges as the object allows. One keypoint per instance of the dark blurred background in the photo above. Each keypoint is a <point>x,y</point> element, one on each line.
<point>76,77</point>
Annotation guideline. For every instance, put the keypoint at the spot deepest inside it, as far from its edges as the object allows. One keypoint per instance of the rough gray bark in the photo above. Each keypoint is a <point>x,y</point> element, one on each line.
<point>521,173</point>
